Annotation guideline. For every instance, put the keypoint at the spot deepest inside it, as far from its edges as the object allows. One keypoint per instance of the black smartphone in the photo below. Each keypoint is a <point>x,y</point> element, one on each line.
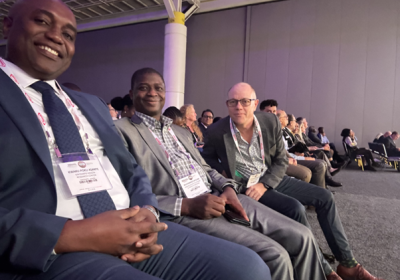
<point>234,218</point>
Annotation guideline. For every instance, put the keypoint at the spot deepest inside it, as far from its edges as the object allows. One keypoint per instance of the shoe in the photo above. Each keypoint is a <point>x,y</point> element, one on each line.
<point>329,181</point>
<point>333,276</point>
<point>356,273</point>
<point>336,171</point>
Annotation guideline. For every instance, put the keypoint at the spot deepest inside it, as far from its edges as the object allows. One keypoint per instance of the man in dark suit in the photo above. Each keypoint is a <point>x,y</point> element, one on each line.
<point>206,120</point>
<point>150,137</point>
<point>249,148</point>
<point>390,145</point>
<point>46,232</point>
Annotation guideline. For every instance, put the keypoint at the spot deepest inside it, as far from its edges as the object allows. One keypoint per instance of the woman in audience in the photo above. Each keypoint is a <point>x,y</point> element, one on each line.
<point>124,105</point>
<point>174,114</point>
<point>189,118</point>
<point>353,150</point>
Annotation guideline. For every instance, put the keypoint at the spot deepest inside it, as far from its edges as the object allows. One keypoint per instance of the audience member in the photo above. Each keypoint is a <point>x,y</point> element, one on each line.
<point>259,163</point>
<point>216,119</point>
<point>48,233</point>
<point>206,120</point>
<point>288,131</point>
<point>124,105</point>
<point>390,146</point>
<point>317,167</point>
<point>175,114</point>
<point>113,112</point>
<point>324,140</point>
<point>382,137</point>
<point>269,106</point>
<point>72,86</point>
<point>350,141</point>
<point>189,122</point>
<point>168,157</point>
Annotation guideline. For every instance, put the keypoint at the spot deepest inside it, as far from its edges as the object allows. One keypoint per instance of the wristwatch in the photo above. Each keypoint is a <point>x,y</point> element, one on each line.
<point>154,211</point>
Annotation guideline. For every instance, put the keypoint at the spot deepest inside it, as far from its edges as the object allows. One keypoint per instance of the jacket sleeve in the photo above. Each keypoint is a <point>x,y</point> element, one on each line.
<point>279,162</point>
<point>210,154</point>
<point>27,239</point>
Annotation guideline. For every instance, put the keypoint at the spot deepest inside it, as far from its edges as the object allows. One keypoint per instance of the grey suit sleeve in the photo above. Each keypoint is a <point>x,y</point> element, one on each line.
<point>279,162</point>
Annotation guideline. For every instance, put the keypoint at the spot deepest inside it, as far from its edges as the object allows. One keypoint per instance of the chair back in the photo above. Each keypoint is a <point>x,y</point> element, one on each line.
<point>378,148</point>
<point>346,150</point>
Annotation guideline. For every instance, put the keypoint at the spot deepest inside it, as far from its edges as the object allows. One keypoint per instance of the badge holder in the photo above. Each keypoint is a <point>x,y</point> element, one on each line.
<point>193,185</point>
<point>83,173</point>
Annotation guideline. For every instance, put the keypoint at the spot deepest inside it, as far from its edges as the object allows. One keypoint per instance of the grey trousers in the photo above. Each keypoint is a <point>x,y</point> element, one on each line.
<point>287,247</point>
<point>318,170</point>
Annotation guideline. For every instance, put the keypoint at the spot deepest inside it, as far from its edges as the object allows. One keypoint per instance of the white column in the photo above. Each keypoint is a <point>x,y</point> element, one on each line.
<point>175,62</point>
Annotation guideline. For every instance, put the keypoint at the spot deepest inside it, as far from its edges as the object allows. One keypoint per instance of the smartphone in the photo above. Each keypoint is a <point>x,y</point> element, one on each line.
<point>198,144</point>
<point>234,218</point>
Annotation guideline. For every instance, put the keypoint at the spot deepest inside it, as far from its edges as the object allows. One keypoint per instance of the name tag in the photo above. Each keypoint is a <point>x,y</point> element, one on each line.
<point>253,179</point>
<point>86,176</point>
<point>193,185</point>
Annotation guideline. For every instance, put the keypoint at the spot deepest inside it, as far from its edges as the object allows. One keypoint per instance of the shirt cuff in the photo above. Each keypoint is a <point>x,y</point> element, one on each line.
<point>178,207</point>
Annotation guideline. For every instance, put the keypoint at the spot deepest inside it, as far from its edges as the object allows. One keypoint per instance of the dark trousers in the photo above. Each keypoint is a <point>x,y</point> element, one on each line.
<point>365,153</point>
<point>187,255</point>
<point>288,199</point>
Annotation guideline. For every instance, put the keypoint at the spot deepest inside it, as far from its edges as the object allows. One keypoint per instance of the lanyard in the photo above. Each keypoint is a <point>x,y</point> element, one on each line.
<point>46,127</point>
<point>259,136</point>
<point>160,143</point>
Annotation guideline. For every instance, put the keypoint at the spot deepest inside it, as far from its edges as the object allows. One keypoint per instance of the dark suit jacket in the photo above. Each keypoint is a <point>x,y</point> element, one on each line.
<point>309,142</point>
<point>314,138</point>
<point>289,137</point>
<point>389,144</point>
<point>141,143</point>
<point>29,228</point>
<point>219,149</point>
<point>202,128</point>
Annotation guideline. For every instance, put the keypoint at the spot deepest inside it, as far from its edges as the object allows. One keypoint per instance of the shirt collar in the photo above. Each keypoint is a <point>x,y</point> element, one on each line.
<point>255,129</point>
<point>152,123</point>
<point>25,80</point>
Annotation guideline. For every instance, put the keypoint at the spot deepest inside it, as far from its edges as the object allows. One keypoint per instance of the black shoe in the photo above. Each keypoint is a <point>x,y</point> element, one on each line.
<point>336,171</point>
<point>329,181</point>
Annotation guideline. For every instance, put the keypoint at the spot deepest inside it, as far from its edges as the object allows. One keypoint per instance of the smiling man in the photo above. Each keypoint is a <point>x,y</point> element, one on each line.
<point>197,195</point>
<point>103,223</point>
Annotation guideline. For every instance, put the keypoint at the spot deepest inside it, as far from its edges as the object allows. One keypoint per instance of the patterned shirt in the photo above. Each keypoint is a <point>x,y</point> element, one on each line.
<point>181,161</point>
<point>250,162</point>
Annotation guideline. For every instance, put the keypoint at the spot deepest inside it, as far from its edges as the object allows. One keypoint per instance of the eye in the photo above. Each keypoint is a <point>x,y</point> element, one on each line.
<point>41,21</point>
<point>142,88</point>
<point>68,36</point>
<point>159,88</point>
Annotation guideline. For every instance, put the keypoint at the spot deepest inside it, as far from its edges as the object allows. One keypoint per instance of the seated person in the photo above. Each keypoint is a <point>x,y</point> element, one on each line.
<point>320,175</point>
<point>124,105</point>
<point>249,148</point>
<point>324,140</point>
<point>189,122</point>
<point>45,231</point>
<point>390,145</point>
<point>169,159</point>
<point>350,141</point>
<point>206,120</point>
<point>175,115</point>
<point>382,137</point>
<point>312,134</point>
<point>269,106</point>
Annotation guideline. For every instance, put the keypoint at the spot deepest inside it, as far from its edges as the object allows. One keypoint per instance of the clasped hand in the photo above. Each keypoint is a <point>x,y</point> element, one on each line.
<point>129,233</point>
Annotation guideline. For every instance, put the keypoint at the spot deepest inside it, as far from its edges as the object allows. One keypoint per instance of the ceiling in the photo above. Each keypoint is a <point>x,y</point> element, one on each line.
<point>97,14</point>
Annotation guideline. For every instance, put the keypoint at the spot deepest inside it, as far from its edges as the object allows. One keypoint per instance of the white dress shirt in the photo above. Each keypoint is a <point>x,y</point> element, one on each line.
<point>67,204</point>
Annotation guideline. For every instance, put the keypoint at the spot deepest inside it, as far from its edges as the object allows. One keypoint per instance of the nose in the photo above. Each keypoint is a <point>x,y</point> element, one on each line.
<point>54,34</point>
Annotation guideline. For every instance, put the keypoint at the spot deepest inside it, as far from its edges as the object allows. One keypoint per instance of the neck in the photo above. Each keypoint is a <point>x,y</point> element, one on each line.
<point>189,123</point>
<point>245,127</point>
<point>156,115</point>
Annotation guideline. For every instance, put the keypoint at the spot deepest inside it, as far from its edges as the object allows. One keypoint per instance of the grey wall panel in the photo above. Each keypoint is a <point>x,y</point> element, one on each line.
<point>301,57</point>
<point>380,75</point>
<point>269,51</point>
<point>325,66</point>
<point>106,59</point>
<point>396,101</point>
<point>352,68</point>
<point>215,58</point>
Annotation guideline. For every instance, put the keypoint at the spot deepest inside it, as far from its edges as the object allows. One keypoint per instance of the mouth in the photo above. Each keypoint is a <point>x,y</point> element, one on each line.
<point>49,51</point>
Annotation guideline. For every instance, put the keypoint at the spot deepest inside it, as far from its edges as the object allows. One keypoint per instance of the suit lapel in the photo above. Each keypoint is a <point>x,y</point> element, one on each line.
<point>230,150</point>
<point>13,101</point>
<point>148,138</point>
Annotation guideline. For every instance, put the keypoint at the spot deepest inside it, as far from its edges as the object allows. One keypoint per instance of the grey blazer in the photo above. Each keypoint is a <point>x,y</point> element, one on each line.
<point>150,156</point>
<point>219,149</point>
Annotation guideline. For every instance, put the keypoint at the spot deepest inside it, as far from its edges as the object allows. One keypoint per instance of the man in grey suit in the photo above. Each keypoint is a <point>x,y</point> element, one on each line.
<point>168,156</point>
<point>257,158</point>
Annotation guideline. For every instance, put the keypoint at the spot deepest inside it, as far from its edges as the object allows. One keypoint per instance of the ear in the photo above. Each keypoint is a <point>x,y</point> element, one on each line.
<point>256,104</point>
<point>7,24</point>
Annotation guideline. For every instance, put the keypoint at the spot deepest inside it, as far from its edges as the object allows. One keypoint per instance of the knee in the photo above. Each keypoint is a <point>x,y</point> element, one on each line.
<point>326,197</point>
<point>248,259</point>
<point>307,176</point>
<point>296,211</point>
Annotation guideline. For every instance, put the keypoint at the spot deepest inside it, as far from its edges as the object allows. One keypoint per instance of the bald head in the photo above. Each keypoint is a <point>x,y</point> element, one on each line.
<point>282,118</point>
<point>387,134</point>
<point>242,88</point>
<point>40,37</point>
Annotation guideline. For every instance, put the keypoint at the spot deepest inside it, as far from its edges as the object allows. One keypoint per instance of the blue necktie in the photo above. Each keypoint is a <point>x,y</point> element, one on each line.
<point>69,141</point>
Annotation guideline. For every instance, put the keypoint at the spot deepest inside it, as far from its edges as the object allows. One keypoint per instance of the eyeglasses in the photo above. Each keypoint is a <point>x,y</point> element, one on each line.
<point>208,117</point>
<point>245,102</point>
<point>285,117</point>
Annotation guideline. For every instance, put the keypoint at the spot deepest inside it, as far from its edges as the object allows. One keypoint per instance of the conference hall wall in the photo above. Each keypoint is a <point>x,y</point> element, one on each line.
<point>335,62</point>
